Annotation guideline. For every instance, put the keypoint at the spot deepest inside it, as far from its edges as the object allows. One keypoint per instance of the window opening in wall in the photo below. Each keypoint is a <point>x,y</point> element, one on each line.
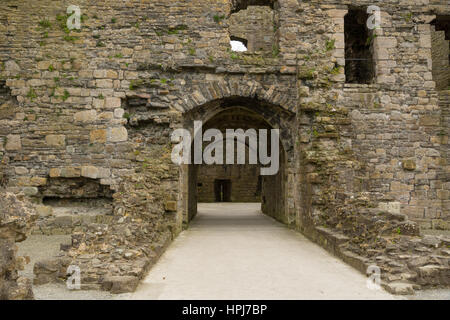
<point>253,26</point>
<point>440,49</point>
<point>359,64</point>
<point>5,92</point>
<point>238,44</point>
<point>238,5</point>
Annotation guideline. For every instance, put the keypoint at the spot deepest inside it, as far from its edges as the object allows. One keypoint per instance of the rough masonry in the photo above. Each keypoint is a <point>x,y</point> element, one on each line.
<point>86,117</point>
<point>16,220</point>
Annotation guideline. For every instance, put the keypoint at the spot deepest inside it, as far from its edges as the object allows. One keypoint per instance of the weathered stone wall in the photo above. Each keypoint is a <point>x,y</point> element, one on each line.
<point>444,190</point>
<point>16,220</point>
<point>5,95</point>
<point>243,178</point>
<point>100,103</point>
<point>257,25</point>
<point>395,122</point>
<point>440,55</point>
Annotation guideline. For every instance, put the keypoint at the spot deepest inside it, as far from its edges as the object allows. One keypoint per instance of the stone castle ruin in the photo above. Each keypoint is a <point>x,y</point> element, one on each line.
<point>86,118</point>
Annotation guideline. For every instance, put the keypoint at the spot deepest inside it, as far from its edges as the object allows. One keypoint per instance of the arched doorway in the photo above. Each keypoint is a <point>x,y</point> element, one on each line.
<point>241,182</point>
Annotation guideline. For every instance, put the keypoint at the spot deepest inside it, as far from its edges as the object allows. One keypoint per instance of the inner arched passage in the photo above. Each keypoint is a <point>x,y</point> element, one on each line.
<point>240,182</point>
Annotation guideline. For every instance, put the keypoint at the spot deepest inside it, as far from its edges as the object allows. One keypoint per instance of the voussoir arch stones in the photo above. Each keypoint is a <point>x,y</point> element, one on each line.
<point>223,90</point>
<point>271,105</point>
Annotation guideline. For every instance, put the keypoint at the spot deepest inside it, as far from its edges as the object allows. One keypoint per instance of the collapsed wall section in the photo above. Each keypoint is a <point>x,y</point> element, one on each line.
<point>16,220</point>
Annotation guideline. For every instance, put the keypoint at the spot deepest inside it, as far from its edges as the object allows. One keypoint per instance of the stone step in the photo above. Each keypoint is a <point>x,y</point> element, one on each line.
<point>65,220</point>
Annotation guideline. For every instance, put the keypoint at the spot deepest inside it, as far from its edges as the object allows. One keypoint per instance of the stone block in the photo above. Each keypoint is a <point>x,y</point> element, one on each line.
<point>43,65</point>
<point>118,113</point>
<point>38,181</point>
<point>99,74</point>
<point>425,41</point>
<point>443,194</point>
<point>391,207</point>
<point>399,288</point>
<point>44,211</point>
<point>98,103</point>
<point>30,191</point>
<point>106,181</point>
<point>170,206</point>
<point>89,172</point>
<point>431,241</point>
<point>398,186</point>
<point>21,170</point>
<point>117,134</point>
<point>55,172</point>
<point>98,136</point>
<point>12,67</point>
<point>23,181</point>
<point>120,284</point>
<point>63,221</point>
<point>105,115</point>
<point>439,224</point>
<point>434,275</point>
<point>13,142</point>
<point>409,164</point>
<point>56,140</point>
<point>49,271</point>
<point>112,103</point>
<point>429,121</point>
<point>104,173</point>
<point>85,116</point>
<point>385,42</point>
<point>104,83</point>
<point>70,172</point>
<point>337,13</point>
<point>111,74</point>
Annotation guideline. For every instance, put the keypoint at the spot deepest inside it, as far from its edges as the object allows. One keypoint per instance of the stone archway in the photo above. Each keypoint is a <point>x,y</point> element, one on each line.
<point>245,113</point>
